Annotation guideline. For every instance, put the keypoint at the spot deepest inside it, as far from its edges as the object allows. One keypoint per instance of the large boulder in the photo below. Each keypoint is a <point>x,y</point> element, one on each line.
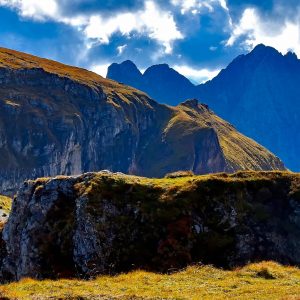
<point>106,223</point>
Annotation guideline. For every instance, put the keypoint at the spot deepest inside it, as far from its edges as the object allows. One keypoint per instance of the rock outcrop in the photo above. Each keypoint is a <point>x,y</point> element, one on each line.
<point>57,119</point>
<point>106,223</point>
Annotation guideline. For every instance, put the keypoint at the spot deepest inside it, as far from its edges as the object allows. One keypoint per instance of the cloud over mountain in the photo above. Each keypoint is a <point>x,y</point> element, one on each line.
<point>199,36</point>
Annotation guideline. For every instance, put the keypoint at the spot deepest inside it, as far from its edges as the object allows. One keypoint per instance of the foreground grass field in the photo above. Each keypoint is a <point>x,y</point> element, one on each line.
<point>265,280</point>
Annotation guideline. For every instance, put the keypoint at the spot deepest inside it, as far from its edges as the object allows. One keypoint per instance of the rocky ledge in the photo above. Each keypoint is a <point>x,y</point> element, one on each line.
<point>106,222</point>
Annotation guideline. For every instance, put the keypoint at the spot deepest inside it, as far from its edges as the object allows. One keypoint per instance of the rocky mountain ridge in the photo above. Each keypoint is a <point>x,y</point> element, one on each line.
<point>258,93</point>
<point>159,81</point>
<point>58,119</point>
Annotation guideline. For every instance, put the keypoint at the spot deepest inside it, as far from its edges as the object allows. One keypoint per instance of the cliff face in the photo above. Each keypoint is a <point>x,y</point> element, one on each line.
<point>57,119</point>
<point>106,223</point>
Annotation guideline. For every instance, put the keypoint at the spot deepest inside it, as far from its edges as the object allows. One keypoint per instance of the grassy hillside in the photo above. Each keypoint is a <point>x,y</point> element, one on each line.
<point>265,280</point>
<point>17,60</point>
<point>240,152</point>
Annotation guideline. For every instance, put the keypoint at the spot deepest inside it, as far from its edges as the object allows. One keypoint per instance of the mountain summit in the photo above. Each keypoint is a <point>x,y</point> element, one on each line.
<point>159,81</point>
<point>258,93</point>
<point>128,70</point>
<point>58,119</point>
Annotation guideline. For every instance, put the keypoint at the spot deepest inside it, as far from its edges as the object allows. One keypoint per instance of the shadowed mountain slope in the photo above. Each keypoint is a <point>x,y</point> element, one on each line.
<point>58,119</point>
<point>258,93</point>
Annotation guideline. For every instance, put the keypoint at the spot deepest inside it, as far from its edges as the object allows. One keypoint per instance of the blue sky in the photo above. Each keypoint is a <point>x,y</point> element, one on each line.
<point>196,37</point>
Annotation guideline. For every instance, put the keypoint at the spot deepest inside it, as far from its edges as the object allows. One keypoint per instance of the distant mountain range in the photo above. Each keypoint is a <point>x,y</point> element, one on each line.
<point>159,81</point>
<point>259,93</point>
<point>58,119</point>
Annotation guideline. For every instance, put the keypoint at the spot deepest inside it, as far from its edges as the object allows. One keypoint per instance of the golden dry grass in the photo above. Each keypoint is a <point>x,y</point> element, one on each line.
<point>19,60</point>
<point>188,123</point>
<point>265,280</point>
<point>5,203</point>
<point>5,207</point>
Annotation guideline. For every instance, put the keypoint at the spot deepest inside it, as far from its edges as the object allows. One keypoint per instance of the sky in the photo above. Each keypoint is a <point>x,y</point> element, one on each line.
<point>195,37</point>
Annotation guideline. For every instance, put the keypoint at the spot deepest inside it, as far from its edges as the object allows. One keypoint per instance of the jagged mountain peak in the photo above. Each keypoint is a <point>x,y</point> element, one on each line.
<point>125,69</point>
<point>262,48</point>
<point>261,54</point>
<point>126,65</point>
<point>175,87</point>
<point>160,67</point>
<point>267,56</point>
<point>292,56</point>
<point>128,62</point>
<point>168,73</point>
<point>258,93</point>
<point>192,103</point>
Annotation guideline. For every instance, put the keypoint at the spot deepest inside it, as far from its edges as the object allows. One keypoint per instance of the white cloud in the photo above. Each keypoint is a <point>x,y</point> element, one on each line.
<point>193,6</point>
<point>223,4</point>
<point>36,9</point>
<point>196,75</point>
<point>101,29</point>
<point>196,6</point>
<point>257,31</point>
<point>246,25</point>
<point>121,49</point>
<point>160,25</point>
<point>151,21</point>
<point>100,69</point>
